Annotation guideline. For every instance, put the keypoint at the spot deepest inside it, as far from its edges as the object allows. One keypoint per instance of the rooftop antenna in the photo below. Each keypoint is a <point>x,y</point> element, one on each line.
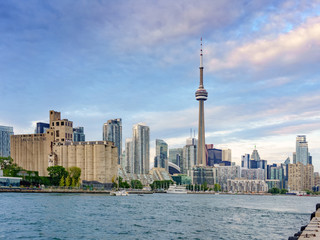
<point>190,132</point>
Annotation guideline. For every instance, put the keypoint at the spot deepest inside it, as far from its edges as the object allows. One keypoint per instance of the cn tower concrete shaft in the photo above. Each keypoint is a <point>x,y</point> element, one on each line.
<point>201,96</point>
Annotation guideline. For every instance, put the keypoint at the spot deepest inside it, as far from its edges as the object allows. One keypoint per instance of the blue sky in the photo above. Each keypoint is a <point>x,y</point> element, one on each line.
<point>139,60</point>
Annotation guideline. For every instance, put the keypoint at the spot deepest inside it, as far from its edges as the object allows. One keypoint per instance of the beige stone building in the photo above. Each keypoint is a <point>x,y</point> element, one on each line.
<point>98,160</point>
<point>300,177</point>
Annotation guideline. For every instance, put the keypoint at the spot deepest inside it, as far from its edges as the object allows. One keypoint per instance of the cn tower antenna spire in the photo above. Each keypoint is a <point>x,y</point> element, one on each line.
<point>201,56</point>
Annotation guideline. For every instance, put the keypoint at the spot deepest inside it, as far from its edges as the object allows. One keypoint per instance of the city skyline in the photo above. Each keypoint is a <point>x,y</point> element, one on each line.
<point>261,70</point>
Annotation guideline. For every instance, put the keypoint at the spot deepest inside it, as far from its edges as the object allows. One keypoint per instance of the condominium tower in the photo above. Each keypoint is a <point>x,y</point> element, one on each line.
<point>161,158</point>
<point>201,96</point>
<point>302,153</point>
<point>5,133</point>
<point>112,131</point>
<point>140,148</point>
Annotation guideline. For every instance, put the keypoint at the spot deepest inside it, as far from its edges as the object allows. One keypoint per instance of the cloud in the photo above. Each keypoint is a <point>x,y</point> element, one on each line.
<point>300,46</point>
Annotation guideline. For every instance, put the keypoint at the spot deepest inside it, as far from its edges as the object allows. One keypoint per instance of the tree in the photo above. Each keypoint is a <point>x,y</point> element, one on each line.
<point>136,184</point>
<point>68,181</point>
<point>284,191</point>
<point>75,173</point>
<point>274,190</point>
<point>217,187</point>
<point>55,173</point>
<point>73,182</point>
<point>61,184</point>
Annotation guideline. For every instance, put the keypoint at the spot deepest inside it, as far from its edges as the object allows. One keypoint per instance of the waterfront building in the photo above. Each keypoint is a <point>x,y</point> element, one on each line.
<point>36,152</point>
<point>97,159</point>
<point>182,179</point>
<point>201,96</point>
<point>273,183</point>
<point>277,173</point>
<point>247,186</point>
<point>176,156</point>
<point>253,174</point>
<point>203,174</point>
<point>112,131</point>
<point>161,158</point>
<point>78,134</point>
<point>129,156</point>
<point>245,161</point>
<point>5,133</point>
<point>140,146</point>
<point>227,172</point>
<point>300,177</point>
<point>155,174</point>
<point>41,127</point>
<point>302,153</point>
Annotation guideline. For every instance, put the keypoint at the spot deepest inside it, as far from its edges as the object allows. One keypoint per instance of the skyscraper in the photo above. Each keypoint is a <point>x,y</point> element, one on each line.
<point>161,158</point>
<point>78,134</point>
<point>41,127</point>
<point>175,156</point>
<point>5,133</point>
<point>302,153</point>
<point>112,131</point>
<point>140,146</point>
<point>129,155</point>
<point>245,161</point>
<point>201,96</point>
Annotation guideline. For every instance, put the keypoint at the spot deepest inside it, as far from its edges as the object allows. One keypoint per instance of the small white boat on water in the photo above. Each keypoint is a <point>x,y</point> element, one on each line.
<point>119,193</point>
<point>177,189</point>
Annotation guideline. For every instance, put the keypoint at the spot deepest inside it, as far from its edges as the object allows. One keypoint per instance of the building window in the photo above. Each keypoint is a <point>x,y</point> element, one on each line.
<point>62,139</point>
<point>57,123</point>
<point>53,124</point>
<point>57,133</point>
<point>62,123</point>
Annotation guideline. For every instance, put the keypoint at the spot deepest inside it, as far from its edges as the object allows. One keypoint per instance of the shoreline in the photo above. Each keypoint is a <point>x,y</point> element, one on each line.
<point>107,192</point>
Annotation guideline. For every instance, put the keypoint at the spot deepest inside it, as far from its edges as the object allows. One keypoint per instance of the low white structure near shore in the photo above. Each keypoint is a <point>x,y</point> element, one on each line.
<point>244,185</point>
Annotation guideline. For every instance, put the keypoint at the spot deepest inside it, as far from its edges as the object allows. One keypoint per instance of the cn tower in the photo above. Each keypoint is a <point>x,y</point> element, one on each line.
<point>201,96</point>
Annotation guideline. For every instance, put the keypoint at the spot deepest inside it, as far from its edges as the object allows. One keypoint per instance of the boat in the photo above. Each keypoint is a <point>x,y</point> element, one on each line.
<point>177,189</point>
<point>119,193</point>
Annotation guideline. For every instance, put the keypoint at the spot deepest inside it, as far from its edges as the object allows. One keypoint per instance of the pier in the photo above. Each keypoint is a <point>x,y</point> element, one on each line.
<point>312,230</point>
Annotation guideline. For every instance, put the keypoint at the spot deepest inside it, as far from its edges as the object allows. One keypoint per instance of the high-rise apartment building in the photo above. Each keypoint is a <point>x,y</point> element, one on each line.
<point>302,153</point>
<point>189,158</point>
<point>161,158</point>
<point>129,155</point>
<point>112,131</point>
<point>201,96</point>
<point>5,133</point>
<point>141,151</point>
<point>245,161</point>
<point>78,134</point>
<point>300,177</point>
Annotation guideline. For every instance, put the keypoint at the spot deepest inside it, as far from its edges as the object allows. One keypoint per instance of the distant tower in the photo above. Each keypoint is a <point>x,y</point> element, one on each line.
<point>112,131</point>
<point>140,148</point>
<point>201,96</point>
<point>161,154</point>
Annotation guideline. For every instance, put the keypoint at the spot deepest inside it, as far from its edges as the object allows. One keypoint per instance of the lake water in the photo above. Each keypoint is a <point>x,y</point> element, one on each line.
<point>156,216</point>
